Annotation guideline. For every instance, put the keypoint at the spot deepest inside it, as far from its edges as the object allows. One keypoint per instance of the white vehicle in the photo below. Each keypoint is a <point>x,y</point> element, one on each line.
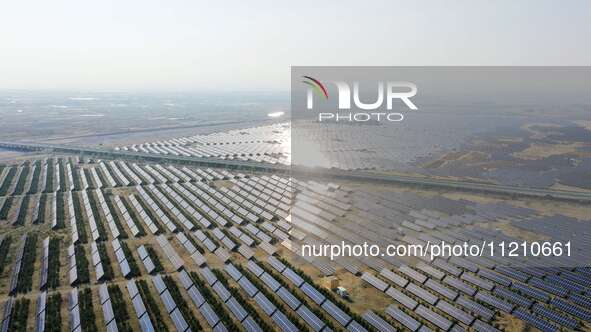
<point>342,291</point>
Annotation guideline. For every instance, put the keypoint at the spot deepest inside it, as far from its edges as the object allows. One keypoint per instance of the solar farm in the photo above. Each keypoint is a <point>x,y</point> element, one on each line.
<point>339,146</point>
<point>123,245</point>
<point>269,144</point>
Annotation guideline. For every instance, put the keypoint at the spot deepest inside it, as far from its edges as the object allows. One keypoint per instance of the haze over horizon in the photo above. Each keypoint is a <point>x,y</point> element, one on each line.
<point>204,46</point>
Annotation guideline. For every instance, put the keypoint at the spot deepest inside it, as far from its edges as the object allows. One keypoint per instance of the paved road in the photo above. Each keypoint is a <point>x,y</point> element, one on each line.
<point>514,191</point>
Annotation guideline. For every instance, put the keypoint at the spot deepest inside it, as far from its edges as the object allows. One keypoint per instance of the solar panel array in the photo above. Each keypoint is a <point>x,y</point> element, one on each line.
<point>143,216</point>
<point>108,314</point>
<point>263,144</point>
<point>121,258</point>
<point>174,258</point>
<point>90,217</point>
<point>14,277</point>
<point>156,208</point>
<point>110,181</point>
<point>259,214</point>
<point>44,263</point>
<point>102,204</point>
<point>72,267</point>
<point>126,216</point>
<point>74,310</point>
<point>138,306</point>
<point>40,312</point>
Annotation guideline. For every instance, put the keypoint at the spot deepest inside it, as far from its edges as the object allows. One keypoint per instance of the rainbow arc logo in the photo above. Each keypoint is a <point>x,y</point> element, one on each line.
<point>318,87</point>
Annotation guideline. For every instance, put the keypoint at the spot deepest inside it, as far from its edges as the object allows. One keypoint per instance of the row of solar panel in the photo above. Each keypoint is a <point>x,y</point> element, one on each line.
<point>107,214</point>
<point>140,309</point>
<point>17,265</point>
<point>176,261</point>
<point>156,208</point>
<point>146,259</point>
<point>126,216</point>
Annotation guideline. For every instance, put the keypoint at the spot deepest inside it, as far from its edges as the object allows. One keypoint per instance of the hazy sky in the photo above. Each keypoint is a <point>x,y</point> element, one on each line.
<point>250,45</point>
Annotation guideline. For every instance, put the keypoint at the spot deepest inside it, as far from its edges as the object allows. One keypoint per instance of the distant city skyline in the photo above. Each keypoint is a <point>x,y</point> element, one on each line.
<point>250,46</point>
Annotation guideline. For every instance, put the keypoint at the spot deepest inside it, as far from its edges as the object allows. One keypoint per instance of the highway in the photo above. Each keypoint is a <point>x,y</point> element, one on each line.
<point>365,176</point>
